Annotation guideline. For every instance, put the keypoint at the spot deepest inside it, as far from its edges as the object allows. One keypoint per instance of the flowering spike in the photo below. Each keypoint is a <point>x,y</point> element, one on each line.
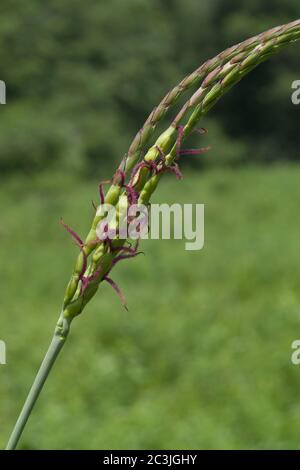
<point>216,75</point>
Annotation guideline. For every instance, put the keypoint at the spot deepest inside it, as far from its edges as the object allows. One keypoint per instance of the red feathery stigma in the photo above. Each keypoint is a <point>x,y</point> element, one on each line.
<point>101,193</point>
<point>180,152</point>
<point>124,249</point>
<point>121,257</point>
<point>86,280</point>
<point>117,289</point>
<point>152,166</point>
<point>175,169</point>
<point>80,244</point>
<point>132,194</point>
<point>161,154</point>
<point>76,237</point>
<point>119,177</point>
<point>194,151</point>
<point>179,140</point>
<point>127,252</point>
<point>115,249</point>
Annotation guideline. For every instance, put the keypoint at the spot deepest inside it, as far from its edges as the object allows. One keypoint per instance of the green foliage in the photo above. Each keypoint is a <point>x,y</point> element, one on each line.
<point>202,358</point>
<point>82,76</point>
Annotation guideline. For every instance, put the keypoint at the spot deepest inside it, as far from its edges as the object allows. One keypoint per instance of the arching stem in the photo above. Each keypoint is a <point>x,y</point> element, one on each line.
<point>58,340</point>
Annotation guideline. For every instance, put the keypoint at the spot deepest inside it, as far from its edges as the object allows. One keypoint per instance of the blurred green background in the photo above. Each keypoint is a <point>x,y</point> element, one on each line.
<point>202,358</point>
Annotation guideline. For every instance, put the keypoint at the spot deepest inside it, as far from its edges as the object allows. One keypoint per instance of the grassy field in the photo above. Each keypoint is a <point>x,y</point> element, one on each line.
<point>202,358</point>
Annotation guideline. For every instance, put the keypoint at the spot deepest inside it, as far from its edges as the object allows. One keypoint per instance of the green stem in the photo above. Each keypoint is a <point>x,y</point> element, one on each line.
<point>58,340</point>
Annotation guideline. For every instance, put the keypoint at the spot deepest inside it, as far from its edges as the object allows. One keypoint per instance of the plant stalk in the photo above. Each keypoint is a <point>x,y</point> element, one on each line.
<point>58,340</point>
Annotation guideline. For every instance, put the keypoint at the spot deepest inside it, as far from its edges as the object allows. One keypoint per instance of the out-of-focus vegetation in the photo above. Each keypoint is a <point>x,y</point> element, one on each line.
<point>202,359</point>
<point>83,76</point>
